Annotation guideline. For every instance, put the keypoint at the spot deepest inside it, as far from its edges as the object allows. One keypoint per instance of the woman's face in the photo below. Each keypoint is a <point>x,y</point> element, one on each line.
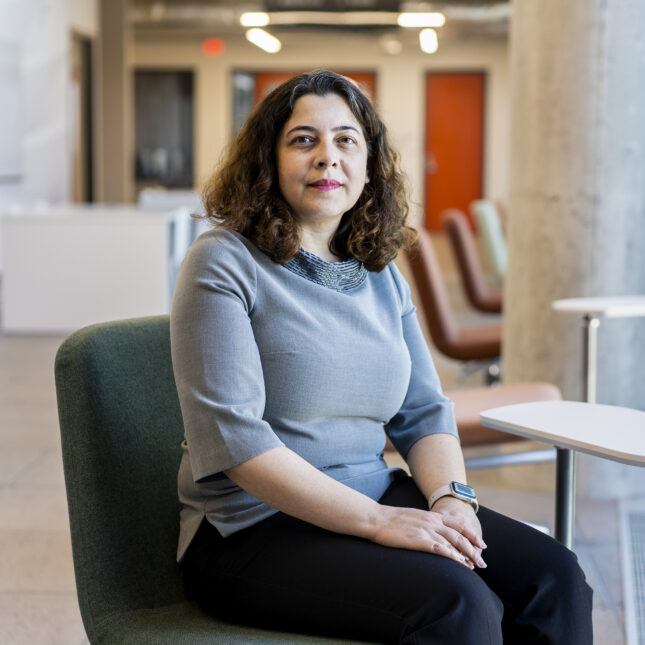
<point>322,161</point>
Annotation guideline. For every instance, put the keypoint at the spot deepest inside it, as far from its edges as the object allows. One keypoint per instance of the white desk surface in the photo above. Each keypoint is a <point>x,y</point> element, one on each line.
<point>605,307</point>
<point>605,431</point>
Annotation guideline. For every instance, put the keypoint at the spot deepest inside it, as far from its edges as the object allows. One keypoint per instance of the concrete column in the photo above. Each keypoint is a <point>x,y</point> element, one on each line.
<point>115,104</point>
<point>577,201</point>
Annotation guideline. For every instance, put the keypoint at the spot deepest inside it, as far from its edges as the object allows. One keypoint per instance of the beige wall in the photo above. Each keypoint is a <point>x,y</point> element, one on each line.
<point>400,89</point>
<point>114,105</point>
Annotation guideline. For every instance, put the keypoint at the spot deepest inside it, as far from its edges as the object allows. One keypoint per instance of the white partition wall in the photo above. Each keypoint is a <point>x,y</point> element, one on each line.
<point>64,269</point>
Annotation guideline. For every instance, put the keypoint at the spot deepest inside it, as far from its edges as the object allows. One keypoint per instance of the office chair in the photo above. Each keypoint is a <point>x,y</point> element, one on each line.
<point>473,278</point>
<point>121,430</point>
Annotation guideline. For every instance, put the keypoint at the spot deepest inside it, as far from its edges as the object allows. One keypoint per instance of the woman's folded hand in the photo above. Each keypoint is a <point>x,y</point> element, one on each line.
<point>446,532</point>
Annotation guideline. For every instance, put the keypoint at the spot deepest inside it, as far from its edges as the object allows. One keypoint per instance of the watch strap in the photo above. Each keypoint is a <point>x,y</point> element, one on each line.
<point>442,491</point>
<point>448,490</point>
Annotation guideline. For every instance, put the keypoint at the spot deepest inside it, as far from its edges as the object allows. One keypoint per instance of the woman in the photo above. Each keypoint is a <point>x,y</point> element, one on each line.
<point>294,343</point>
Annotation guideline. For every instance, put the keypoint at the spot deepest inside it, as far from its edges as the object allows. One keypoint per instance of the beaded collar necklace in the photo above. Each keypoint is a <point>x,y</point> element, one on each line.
<point>339,276</point>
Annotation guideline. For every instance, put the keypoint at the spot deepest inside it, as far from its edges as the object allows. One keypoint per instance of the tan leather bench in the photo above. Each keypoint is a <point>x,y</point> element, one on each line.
<point>470,402</point>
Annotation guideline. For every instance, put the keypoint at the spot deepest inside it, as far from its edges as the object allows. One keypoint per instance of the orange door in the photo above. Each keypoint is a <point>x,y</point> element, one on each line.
<point>454,143</point>
<point>265,82</point>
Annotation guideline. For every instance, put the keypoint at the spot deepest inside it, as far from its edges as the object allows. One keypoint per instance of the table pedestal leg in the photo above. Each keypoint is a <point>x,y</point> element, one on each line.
<point>590,357</point>
<point>565,482</point>
<point>565,488</point>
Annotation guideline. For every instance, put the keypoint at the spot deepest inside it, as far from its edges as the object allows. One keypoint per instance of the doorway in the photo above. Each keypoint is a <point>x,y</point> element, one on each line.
<point>81,104</point>
<point>164,128</point>
<point>249,88</point>
<point>454,142</point>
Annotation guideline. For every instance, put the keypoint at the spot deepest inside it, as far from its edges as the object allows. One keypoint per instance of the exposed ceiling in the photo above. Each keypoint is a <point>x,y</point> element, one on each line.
<point>464,18</point>
<point>324,5</point>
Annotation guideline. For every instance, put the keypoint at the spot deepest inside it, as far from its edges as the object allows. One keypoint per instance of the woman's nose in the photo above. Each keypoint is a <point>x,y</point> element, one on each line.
<point>324,163</point>
<point>326,157</point>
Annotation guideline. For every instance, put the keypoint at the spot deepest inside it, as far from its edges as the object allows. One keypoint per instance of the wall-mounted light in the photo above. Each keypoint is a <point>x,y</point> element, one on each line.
<point>421,19</point>
<point>254,19</point>
<point>213,46</point>
<point>264,40</point>
<point>428,41</point>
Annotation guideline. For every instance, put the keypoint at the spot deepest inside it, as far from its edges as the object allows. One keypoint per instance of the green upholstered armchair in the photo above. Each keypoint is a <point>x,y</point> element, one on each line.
<point>121,431</point>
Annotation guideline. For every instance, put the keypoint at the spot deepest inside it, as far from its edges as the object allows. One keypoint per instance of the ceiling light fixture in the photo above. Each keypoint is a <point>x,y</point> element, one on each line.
<point>264,40</point>
<point>428,41</point>
<point>421,19</point>
<point>254,19</point>
<point>351,18</point>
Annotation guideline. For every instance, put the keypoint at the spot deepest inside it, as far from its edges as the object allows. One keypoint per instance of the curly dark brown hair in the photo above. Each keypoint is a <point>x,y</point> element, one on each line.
<point>243,193</point>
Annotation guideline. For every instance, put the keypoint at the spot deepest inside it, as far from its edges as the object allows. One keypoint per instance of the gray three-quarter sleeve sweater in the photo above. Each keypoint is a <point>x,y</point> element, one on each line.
<point>266,356</point>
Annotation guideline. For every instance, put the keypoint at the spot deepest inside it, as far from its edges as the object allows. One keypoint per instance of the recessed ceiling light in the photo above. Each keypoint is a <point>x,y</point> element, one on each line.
<point>391,45</point>
<point>157,10</point>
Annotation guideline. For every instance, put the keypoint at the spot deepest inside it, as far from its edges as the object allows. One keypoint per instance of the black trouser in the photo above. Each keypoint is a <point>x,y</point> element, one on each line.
<point>289,575</point>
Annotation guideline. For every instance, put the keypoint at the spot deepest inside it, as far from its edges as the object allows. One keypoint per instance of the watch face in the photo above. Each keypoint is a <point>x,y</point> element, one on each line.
<point>463,489</point>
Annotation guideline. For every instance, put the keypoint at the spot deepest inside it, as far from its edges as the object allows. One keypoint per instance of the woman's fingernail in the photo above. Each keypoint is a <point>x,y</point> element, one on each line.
<point>481,564</point>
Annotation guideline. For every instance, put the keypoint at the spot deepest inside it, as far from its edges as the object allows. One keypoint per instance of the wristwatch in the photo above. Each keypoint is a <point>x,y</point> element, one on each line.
<point>455,489</point>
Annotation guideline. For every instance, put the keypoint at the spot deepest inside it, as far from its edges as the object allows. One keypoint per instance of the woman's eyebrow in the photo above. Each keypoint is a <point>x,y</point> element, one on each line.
<point>310,128</point>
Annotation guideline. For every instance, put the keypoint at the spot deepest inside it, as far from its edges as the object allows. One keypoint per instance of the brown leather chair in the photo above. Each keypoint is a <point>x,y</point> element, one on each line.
<point>473,279</point>
<point>482,342</point>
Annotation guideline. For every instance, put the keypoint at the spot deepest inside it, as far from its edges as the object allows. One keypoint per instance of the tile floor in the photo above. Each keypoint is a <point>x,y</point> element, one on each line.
<point>37,594</point>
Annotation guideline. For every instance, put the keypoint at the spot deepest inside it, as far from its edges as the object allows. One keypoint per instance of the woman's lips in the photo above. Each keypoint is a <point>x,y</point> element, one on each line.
<point>325,184</point>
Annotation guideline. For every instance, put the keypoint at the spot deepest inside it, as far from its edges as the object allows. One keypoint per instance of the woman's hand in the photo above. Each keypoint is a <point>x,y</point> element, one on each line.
<point>461,516</point>
<point>449,535</point>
